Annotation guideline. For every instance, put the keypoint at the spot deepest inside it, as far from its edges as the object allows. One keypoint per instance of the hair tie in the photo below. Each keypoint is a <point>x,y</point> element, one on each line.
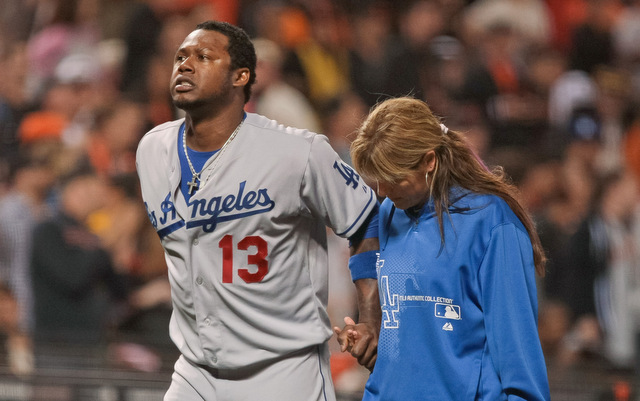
<point>444,129</point>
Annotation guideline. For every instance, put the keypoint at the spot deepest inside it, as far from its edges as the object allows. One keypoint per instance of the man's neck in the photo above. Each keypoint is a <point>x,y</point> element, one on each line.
<point>210,133</point>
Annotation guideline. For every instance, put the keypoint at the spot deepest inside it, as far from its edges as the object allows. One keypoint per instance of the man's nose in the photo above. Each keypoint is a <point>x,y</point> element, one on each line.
<point>185,65</point>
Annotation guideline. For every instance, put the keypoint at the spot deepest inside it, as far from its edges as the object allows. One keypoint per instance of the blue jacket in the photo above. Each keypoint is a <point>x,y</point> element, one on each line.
<point>459,320</point>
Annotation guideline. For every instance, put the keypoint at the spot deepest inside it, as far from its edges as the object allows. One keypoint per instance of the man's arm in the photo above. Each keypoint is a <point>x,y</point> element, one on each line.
<point>361,338</point>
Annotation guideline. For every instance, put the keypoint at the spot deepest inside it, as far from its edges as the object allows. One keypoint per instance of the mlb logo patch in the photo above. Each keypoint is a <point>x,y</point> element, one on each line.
<point>448,311</point>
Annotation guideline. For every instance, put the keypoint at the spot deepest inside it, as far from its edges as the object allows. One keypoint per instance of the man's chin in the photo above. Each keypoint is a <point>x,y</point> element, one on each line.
<point>185,105</point>
<point>181,104</point>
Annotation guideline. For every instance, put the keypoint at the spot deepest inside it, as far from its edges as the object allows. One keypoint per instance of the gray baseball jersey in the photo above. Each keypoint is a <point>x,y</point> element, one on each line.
<point>247,256</point>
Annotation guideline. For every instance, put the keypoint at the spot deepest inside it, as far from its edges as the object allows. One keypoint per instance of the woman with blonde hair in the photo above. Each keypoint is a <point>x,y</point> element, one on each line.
<point>456,269</point>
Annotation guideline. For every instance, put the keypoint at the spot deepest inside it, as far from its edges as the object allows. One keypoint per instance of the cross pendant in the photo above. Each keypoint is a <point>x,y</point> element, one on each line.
<point>193,184</point>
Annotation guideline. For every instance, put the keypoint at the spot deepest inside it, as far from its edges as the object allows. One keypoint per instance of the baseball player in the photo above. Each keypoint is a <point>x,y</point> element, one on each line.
<point>240,204</point>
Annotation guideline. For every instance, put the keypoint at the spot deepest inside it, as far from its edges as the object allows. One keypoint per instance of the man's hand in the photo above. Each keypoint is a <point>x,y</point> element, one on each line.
<point>360,340</point>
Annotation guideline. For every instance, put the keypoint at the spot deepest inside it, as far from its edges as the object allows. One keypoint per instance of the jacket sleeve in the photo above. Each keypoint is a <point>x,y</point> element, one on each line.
<point>509,302</point>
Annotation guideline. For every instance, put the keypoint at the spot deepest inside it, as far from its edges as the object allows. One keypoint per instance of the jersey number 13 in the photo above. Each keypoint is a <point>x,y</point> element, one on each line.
<point>258,259</point>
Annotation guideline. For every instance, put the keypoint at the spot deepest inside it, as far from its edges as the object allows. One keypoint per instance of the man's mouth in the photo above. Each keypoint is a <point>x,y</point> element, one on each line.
<point>184,85</point>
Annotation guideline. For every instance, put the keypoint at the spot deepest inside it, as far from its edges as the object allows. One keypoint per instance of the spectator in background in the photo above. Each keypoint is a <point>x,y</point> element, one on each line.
<point>150,293</point>
<point>577,171</point>
<point>274,97</point>
<point>418,24</point>
<point>540,187</point>
<point>568,180</point>
<point>571,91</point>
<point>138,336</point>
<point>373,51</point>
<point>618,290</point>
<point>625,33</point>
<point>613,103</point>
<point>592,41</point>
<point>443,76</point>
<point>141,333</point>
<point>543,67</point>
<point>281,22</point>
<point>534,29</point>
<point>51,118</point>
<point>74,282</point>
<point>631,144</point>
<point>603,270</point>
<point>565,16</point>
<point>72,29</point>
<point>117,222</point>
<point>14,100</point>
<point>142,31</point>
<point>111,146</point>
<point>322,62</point>
<point>19,352</point>
<point>80,75</point>
<point>343,117</point>
<point>494,86</point>
<point>67,107</point>
<point>21,209</point>
<point>17,19</point>
<point>626,30</point>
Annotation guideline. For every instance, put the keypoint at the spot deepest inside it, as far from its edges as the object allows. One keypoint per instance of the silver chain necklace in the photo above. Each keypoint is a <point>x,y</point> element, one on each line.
<point>194,184</point>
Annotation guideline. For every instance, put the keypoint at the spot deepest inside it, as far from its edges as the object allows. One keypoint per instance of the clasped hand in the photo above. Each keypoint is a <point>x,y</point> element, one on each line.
<point>360,340</point>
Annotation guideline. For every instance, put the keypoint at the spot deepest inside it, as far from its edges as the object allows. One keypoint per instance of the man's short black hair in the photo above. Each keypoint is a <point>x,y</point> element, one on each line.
<point>241,50</point>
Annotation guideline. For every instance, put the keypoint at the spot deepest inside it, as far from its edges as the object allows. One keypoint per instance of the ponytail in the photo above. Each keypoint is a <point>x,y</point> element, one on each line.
<point>460,166</point>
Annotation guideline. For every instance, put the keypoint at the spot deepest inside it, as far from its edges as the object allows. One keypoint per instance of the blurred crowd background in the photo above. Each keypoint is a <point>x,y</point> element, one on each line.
<point>548,89</point>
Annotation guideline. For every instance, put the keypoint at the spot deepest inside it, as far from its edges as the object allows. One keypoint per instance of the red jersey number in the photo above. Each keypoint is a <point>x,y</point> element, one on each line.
<point>258,259</point>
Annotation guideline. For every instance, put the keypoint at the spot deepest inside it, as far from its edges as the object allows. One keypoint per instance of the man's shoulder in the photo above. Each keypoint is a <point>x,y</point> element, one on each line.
<point>160,137</point>
<point>162,132</point>
<point>264,125</point>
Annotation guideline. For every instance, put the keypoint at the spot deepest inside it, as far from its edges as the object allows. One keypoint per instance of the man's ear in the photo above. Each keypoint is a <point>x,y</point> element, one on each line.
<point>242,76</point>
